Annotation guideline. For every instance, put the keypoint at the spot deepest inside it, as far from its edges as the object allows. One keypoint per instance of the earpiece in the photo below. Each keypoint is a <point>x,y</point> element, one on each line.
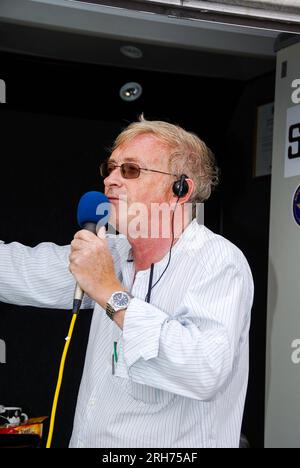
<point>181,187</point>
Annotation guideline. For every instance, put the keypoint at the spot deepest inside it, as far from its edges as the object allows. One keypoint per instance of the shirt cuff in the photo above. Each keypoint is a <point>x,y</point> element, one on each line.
<point>141,331</point>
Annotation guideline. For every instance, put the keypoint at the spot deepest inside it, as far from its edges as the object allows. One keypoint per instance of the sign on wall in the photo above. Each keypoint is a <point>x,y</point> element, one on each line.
<point>2,92</point>
<point>292,146</point>
<point>2,352</point>
<point>264,139</point>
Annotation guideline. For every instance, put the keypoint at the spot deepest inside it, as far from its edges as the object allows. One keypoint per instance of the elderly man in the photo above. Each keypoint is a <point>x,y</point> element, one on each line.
<point>167,357</point>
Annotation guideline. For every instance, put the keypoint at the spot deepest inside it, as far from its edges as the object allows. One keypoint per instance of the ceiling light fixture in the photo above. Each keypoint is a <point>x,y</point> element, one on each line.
<point>131,91</point>
<point>131,51</point>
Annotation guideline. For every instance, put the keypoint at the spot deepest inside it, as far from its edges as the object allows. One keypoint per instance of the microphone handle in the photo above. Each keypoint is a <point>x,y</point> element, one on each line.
<point>90,227</point>
<point>78,293</point>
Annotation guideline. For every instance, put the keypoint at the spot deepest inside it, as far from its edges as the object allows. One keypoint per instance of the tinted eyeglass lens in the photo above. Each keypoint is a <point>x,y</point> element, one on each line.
<point>106,169</point>
<point>103,170</point>
<point>130,171</point>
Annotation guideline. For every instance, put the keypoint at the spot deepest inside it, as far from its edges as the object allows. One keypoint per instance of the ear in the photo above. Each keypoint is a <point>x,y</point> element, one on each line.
<point>188,195</point>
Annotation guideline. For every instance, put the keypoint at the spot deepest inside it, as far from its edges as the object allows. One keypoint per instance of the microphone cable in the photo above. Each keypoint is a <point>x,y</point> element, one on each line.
<point>60,376</point>
<point>89,216</point>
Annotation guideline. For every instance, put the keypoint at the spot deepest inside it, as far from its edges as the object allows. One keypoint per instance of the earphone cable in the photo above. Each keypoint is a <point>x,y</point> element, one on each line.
<point>169,259</point>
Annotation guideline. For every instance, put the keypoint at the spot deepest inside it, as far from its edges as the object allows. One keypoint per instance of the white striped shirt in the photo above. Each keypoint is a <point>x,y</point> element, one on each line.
<point>181,376</point>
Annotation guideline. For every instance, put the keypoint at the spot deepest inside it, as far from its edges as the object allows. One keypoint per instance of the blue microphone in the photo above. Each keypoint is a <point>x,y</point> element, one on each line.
<point>92,213</point>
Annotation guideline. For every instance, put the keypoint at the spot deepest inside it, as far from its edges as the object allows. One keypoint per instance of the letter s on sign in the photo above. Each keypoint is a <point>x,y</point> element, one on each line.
<point>296,94</point>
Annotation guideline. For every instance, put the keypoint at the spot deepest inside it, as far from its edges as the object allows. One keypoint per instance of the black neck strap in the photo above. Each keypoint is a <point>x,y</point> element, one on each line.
<point>148,297</point>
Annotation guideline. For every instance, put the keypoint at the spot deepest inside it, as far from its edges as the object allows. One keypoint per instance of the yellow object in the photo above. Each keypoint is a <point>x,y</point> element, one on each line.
<point>59,380</point>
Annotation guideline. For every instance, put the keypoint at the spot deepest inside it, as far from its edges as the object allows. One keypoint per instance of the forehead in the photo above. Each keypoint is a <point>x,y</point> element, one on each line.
<point>145,148</point>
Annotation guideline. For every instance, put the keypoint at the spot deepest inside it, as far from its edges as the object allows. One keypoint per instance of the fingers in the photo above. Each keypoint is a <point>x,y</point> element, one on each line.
<point>87,236</point>
<point>85,242</point>
<point>84,235</point>
<point>72,262</point>
<point>77,244</point>
<point>102,233</point>
<point>83,239</point>
<point>72,259</point>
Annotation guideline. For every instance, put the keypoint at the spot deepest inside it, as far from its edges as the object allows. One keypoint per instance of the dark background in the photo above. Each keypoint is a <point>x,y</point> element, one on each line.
<point>58,123</point>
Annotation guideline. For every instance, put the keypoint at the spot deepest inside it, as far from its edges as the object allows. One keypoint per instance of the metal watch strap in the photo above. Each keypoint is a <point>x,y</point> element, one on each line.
<point>110,311</point>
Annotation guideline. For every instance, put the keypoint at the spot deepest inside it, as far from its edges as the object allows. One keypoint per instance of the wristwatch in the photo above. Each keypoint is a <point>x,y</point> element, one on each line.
<point>119,300</point>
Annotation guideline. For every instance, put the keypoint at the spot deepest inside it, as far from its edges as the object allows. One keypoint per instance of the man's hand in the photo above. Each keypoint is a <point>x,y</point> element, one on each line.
<point>92,265</point>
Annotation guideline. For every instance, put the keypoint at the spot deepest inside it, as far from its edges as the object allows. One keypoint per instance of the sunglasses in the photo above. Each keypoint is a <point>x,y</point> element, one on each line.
<point>128,170</point>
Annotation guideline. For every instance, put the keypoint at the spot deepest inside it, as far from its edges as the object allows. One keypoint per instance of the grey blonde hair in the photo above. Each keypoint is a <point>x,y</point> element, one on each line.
<point>189,156</point>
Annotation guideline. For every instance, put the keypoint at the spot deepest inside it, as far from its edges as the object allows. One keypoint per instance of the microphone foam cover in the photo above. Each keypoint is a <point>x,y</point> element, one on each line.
<point>93,207</point>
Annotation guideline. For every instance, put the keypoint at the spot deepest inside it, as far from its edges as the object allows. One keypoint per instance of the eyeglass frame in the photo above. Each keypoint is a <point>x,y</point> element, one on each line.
<point>137,166</point>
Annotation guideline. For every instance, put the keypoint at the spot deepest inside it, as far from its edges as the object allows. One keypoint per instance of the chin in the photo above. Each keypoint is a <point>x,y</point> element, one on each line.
<point>120,226</point>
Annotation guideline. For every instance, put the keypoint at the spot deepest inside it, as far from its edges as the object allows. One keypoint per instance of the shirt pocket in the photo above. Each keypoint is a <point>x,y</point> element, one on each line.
<point>151,395</point>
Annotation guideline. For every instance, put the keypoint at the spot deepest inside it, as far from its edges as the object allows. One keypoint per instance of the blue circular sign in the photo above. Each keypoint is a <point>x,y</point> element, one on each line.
<point>296,206</point>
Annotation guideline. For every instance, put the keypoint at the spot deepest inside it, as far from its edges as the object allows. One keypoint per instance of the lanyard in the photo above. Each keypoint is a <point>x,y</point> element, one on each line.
<point>148,297</point>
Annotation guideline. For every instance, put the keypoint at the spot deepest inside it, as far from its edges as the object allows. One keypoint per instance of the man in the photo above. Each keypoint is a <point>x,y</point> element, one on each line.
<point>167,357</point>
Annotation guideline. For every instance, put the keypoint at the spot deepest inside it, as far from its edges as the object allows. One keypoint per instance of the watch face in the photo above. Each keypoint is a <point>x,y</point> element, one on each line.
<point>120,299</point>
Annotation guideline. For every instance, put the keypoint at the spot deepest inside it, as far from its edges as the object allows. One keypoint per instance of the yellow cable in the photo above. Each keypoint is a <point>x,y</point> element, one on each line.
<point>59,380</point>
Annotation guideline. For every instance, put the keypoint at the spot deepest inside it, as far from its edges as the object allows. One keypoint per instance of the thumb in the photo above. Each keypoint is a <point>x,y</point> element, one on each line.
<point>102,233</point>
